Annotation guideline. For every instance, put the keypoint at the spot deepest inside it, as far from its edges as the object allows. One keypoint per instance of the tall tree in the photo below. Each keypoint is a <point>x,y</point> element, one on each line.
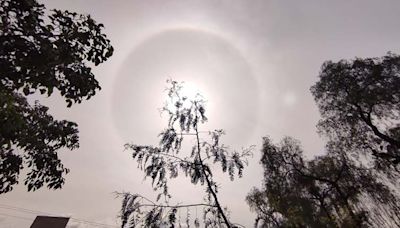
<point>169,159</point>
<point>327,191</point>
<point>40,53</point>
<point>359,101</point>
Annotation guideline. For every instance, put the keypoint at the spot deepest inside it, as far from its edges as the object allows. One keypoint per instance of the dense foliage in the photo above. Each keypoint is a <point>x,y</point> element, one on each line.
<point>327,191</point>
<point>355,184</point>
<point>359,101</point>
<point>40,54</point>
<point>169,159</point>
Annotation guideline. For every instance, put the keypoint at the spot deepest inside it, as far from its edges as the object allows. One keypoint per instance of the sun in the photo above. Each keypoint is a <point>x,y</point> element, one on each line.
<point>191,90</point>
<point>206,63</point>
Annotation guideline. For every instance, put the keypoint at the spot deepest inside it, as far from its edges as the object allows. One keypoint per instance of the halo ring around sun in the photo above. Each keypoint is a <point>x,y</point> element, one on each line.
<point>204,61</point>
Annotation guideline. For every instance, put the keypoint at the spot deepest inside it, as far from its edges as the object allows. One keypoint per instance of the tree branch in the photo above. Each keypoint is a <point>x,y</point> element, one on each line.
<point>367,119</point>
<point>209,184</point>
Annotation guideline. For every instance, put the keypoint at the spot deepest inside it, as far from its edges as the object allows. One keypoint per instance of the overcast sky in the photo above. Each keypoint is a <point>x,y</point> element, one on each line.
<point>254,61</point>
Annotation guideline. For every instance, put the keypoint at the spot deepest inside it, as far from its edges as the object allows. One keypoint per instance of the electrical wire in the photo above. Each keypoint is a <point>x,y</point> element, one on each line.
<point>25,210</point>
<point>14,216</point>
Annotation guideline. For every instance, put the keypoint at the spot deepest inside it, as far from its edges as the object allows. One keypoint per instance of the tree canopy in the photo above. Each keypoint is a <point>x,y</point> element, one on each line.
<point>359,101</point>
<point>355,183</point>
<point>327,191</point>
<point>170,159</point>
<point>41,54</point>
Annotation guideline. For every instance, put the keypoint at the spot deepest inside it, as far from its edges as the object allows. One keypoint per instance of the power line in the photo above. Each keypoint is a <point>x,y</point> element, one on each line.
<point>25,210</point>
<point>14,216</point>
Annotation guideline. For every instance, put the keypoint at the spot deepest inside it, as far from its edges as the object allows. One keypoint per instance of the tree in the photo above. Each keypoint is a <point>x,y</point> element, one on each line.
<point>170,159</point>
<point>327,191</point>
<point>42,54</point>
<point>359,104</point>
<point>359,101</point>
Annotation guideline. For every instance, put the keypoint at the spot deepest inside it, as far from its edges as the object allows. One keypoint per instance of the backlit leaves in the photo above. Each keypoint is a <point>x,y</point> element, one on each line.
<point>170,158</point>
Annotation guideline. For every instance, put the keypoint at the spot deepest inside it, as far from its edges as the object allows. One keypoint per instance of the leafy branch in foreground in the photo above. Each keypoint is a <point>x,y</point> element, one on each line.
<point>169,159</point>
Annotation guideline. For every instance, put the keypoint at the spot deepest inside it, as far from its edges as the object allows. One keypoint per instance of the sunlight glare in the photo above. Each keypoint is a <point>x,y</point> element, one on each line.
<point>191,91</point>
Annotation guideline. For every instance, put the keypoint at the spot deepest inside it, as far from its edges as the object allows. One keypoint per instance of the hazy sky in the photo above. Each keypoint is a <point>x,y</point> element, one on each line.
<point>254,61</point>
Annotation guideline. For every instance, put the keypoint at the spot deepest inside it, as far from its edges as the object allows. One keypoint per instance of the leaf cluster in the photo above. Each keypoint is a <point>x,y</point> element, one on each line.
<point>41,54</point>
<point>32,130</point>
<point>149,214</point>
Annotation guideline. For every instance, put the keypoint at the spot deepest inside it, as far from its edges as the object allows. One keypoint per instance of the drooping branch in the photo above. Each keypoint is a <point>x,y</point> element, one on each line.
<point>153,204</point>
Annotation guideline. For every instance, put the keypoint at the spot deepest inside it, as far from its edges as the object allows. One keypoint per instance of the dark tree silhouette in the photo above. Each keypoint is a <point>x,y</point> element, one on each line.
<point>42,54</point>
<point>359,101</point>
<point>169,159</point>
<point>327,191</point>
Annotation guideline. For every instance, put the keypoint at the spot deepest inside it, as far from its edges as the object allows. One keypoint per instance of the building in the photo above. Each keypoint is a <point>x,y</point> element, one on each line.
<point>49,222</point>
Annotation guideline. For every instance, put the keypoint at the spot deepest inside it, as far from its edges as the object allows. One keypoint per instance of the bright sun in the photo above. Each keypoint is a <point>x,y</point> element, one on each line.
<point>206,63</point>
<point>191,90</point>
